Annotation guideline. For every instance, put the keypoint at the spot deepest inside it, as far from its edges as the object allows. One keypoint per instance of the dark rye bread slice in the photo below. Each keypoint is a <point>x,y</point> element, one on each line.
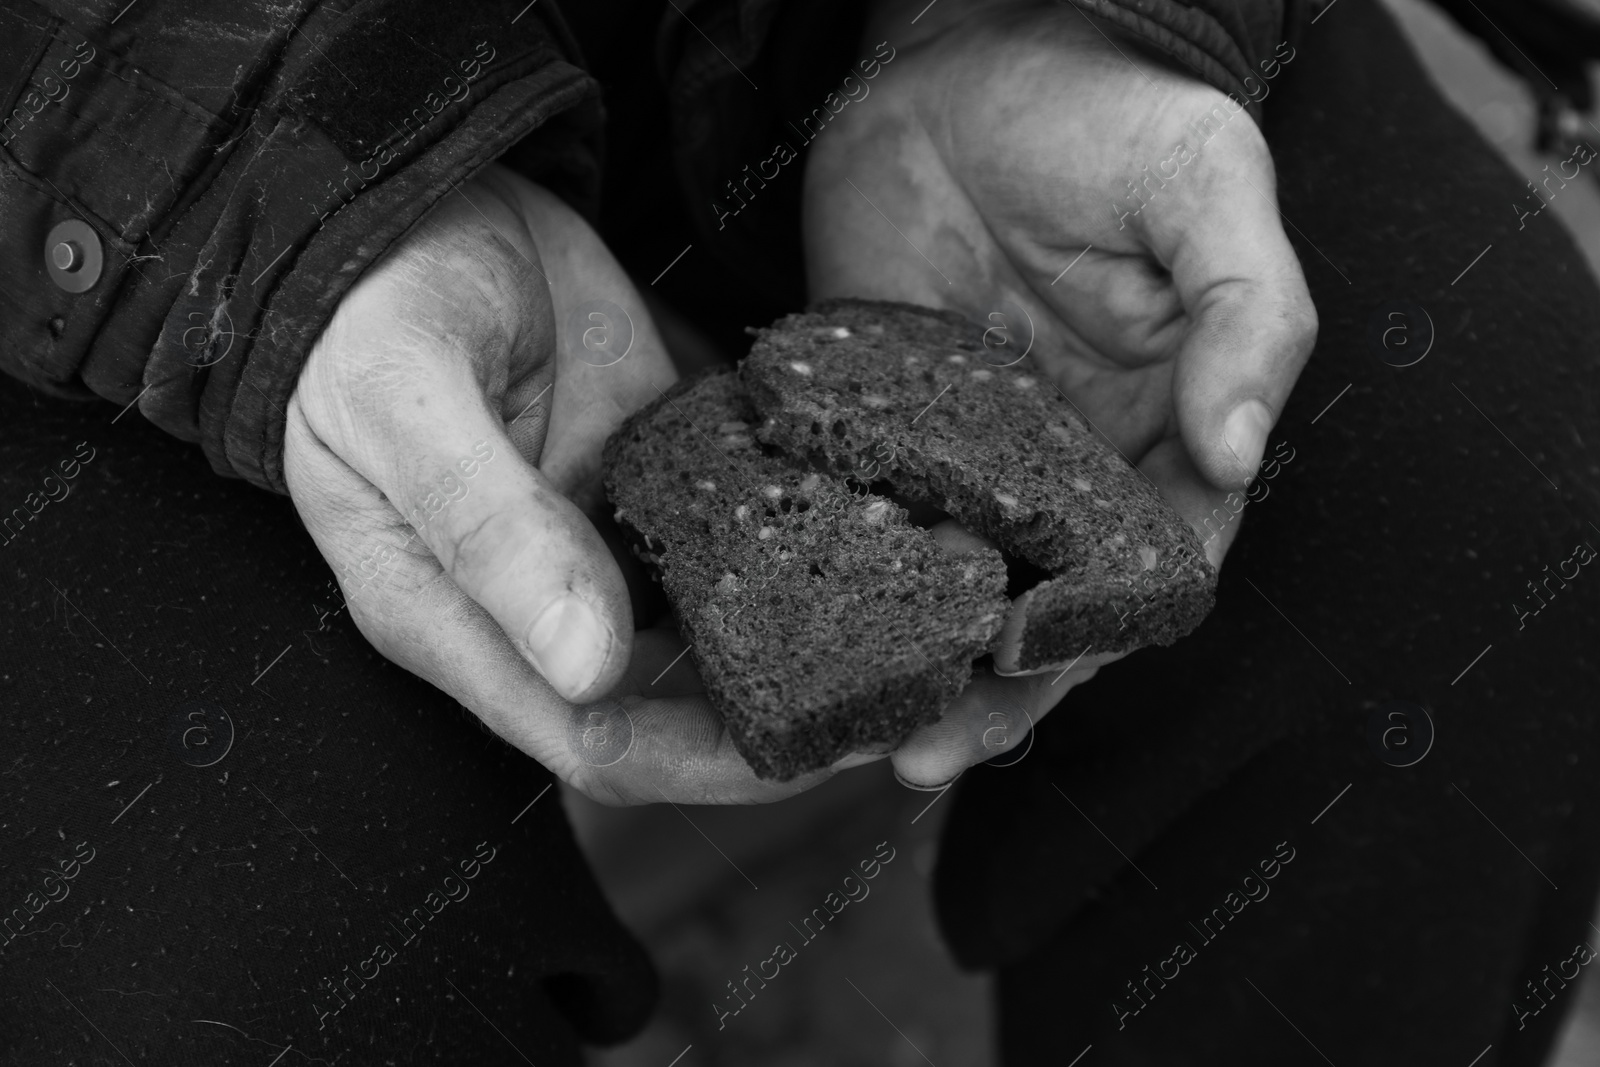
<point>822,622</point>
<point>911,396</point>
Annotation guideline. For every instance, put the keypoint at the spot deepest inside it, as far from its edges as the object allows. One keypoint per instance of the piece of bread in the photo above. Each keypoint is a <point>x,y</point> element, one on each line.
<point>911,396</point>
<point>822,622</point>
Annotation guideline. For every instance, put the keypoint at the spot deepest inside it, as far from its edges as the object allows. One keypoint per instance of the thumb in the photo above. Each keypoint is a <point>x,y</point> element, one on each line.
<point>397,387</point>
<point>1252,327</point>
<point>509,539</point>
<point>532,559</point>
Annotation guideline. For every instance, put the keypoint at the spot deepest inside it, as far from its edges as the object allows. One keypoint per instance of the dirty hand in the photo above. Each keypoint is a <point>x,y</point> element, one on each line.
<point>443,447</point>
<point>991,169</point>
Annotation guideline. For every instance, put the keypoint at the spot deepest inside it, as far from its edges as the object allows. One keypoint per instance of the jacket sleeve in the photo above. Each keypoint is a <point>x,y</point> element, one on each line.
<point>1549,43</point>
<point>1234,45</point>
<point>234,166</point>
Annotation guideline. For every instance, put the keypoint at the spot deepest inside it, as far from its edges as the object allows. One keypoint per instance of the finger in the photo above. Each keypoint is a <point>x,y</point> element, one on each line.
<point>665,700</point>
<point>992,719</point>
<point>610,359</point>
<point>658,742</point>
<point>994,715</point>
<point>1251,321</point>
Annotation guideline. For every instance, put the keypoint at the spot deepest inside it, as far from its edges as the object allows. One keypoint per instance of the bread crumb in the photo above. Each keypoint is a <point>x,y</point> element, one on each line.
<point>737,440</point>
<point>1102,503</point>
<point>733,426</point>
<point>772,492</point>
<point>742,512</point>
<point>1022,381</point>
<point>876,513</point>
<point>1076,422</point>
<point>1081,485</point>
<point>1115,463</point>
<point>873,400</point>
<point>840,333</point>
<point>810,482</point>
<point>1005,498</point>
<point>956,358</point>
<point>729,584</point>
<point>766,532</point>
<point>896,566</point>
<point>707,484</point>
<point>800,368</point>
<point>1147,556</point>
<point>981,375</point>
<point>1058,430</point>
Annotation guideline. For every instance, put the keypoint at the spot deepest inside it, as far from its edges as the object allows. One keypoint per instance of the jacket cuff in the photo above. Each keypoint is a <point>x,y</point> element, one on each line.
<point>232,219</point>
<point>1234,47</point>
<point>242,410</point>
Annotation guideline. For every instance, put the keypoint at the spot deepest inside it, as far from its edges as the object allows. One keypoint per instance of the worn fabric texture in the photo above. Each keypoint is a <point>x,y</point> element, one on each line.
<point>243,163</point>
<point>228,826</point>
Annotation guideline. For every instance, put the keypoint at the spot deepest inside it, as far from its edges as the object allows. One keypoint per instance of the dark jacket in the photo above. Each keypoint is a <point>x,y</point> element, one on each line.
<point>239,170</point>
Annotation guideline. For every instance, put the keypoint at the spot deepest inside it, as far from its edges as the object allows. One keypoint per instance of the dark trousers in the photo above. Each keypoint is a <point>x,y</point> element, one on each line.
<point>1243,849</point>
<point>229,829</point>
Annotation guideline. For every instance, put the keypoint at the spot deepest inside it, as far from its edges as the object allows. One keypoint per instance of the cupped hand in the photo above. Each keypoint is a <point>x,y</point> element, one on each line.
<point>992,168</point>
<point>443,448</point>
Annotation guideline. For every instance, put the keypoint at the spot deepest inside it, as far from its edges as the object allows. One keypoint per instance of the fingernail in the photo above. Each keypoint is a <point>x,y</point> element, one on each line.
<point>569,644</point>
<point>1246,433</point>
<point>903,780</point>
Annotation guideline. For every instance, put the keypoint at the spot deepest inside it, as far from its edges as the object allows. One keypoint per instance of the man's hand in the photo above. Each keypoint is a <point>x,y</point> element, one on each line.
<point>443,449</point>
<point>992,169</point>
